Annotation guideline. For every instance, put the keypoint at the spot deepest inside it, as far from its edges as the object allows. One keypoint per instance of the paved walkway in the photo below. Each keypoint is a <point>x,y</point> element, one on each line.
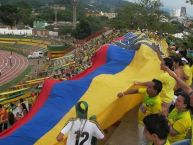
<point>126,133</point>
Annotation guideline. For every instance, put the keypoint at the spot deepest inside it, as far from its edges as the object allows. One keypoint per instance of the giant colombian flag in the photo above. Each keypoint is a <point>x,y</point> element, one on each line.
<point>114,69</point>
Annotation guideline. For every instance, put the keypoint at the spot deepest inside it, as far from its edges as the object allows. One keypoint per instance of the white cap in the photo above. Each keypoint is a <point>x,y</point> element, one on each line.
<point>184,59</point>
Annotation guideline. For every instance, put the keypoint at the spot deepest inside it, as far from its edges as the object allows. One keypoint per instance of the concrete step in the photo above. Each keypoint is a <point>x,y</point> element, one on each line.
<point>127,131</point>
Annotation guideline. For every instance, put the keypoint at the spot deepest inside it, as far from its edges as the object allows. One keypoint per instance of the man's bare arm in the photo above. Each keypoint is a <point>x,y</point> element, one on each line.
<point>180,82</point>
<point>60,137</point>
<point>127,92</point>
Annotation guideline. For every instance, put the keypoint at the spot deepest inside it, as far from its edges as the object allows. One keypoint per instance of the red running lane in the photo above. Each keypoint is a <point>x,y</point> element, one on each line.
<point>19,64</point>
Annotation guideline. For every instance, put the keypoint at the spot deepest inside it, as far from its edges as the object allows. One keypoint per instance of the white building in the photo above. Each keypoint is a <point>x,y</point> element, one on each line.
<point>176,13</point>
<point>109,15</point>
<point>163,19</point>
<point>181,12</point>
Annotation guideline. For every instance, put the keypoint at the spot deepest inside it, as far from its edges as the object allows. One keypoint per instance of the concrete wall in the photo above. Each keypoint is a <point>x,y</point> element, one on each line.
<point>5,31</point>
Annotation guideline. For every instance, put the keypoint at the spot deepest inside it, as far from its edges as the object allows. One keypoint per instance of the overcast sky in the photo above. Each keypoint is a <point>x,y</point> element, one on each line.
<point>171,4</point>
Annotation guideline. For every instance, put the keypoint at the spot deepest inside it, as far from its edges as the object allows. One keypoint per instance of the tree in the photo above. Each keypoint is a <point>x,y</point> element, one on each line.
<point>129,16</point>
<point>24,12</point>
<point>150,6</point>
<point>65,15</point>
<point>189,1</point>
<point>82,30</point>
<point>65,30</point>
<point>46,14</point>
<point>96,23</point>
<point>9,15</point>
<point>65,2</point>
<point>32,3</point>
<point>151,13</point>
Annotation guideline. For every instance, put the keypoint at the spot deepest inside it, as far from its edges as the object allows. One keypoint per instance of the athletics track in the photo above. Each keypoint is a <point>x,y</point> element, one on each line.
<point>9,72</point>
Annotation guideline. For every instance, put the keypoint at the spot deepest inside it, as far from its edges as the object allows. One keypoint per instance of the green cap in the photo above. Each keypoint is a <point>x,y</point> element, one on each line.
<point>81,109</point>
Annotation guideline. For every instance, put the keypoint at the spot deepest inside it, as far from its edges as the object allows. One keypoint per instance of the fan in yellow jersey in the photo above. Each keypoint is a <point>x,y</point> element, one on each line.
<point>151,104</point>
<point>192,69</point>
<point>180,118</point>
<point>187,89</point>
<point>167,93</point>
<point>156,129</point>
<point>186,68</point>
<point>188,72</point>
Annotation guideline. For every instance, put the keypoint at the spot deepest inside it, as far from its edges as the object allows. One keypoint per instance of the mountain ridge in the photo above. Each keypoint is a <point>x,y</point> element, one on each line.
<point>66,2</point>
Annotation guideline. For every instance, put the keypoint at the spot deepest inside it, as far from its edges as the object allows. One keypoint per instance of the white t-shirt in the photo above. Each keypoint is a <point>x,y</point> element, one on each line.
<point>87,128</point>
<point>14,111</point>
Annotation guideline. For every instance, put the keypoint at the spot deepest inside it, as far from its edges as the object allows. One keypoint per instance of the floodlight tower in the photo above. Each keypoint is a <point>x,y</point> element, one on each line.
<point>57,8</point>
<point>74,5</point>
<point>55,14</point>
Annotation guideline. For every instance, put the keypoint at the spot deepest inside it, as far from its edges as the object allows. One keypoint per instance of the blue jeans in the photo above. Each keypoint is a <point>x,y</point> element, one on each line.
<point>183,142</point>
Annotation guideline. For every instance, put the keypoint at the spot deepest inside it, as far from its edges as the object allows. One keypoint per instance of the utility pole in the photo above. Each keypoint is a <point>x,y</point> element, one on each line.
<point>74,5</point>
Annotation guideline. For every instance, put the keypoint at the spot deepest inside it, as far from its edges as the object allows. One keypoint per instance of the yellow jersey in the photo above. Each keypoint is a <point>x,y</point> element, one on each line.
<point>191,69</point>
<point>150,105</point>
<point>167,143</point>
<point>168,84</point>
<point>192,134</point>
<point>188,72</point>
<point>181,122</point>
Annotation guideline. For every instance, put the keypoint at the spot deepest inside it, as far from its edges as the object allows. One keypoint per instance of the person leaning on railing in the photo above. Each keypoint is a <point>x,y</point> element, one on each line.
<point>3,118</point>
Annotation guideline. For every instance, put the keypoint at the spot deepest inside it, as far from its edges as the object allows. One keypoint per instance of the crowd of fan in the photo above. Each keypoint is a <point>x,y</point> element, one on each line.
<point>82,55</point>
<point>164,116</point>
<point>12,112</point>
